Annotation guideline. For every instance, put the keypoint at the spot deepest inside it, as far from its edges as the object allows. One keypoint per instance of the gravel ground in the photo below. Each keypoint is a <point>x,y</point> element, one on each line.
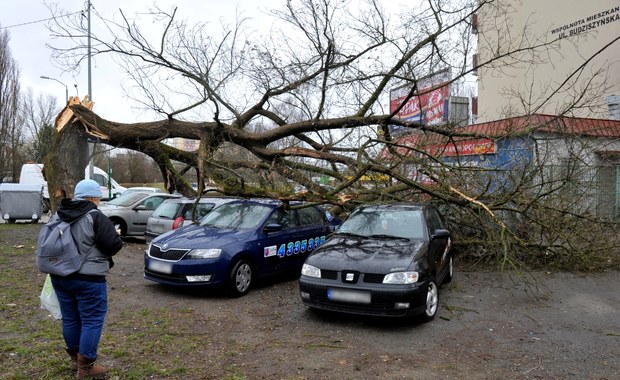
<point>490,325</point>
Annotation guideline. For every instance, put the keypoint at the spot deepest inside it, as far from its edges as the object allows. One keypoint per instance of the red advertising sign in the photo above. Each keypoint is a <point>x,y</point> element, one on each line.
<point>430,103</point>
<point>462,148</point>
<point>410,145</point>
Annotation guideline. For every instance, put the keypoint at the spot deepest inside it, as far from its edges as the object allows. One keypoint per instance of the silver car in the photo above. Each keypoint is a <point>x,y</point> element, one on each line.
<point>173,213</point>
<point>130,212</point>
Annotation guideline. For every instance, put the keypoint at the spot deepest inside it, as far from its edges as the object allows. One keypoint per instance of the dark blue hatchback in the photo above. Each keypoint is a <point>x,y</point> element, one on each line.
<point>236,243</point>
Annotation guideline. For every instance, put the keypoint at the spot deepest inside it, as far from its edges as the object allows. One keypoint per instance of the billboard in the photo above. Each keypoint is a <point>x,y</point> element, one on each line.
<point>428,106</point>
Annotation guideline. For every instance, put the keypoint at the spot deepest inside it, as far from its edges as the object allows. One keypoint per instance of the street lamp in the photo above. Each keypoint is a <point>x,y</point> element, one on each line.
<point>66,88</point>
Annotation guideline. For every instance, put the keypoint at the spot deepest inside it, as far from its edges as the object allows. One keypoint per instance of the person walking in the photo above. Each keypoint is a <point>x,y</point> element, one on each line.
<point>83,295</point>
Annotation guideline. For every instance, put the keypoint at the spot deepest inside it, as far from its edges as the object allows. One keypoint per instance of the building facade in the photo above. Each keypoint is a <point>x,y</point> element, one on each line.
<point>574,70</point>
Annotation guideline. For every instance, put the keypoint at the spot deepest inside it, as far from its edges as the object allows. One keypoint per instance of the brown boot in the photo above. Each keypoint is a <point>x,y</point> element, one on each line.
<point>88,370</point>
<point>73,354</point>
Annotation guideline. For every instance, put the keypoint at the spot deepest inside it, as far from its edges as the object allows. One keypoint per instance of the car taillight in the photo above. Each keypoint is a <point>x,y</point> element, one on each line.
<point>177,222</point>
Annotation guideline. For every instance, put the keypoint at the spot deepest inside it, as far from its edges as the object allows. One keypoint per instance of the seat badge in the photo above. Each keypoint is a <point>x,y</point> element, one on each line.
<point>349,277</point>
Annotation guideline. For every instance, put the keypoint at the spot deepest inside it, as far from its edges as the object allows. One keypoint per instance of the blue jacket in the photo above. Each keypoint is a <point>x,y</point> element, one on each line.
<point>94,235</point>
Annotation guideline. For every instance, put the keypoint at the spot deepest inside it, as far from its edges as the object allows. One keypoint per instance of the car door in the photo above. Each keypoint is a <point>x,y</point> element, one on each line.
<point>278,240</point>
<point>439,245</point>
<point>309,233</point>
<point>142,212</point>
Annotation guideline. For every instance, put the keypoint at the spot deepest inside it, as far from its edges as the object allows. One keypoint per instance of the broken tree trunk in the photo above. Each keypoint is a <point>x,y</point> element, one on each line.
<point>64,166</point>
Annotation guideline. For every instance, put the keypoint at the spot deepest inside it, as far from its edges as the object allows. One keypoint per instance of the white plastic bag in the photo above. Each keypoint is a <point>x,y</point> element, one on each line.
<point>49,301</point>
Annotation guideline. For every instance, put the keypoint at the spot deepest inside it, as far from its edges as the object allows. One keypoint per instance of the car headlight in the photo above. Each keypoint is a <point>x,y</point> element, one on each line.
<point>310,271</point>
<point>401,278</point>
<point>211,253</point>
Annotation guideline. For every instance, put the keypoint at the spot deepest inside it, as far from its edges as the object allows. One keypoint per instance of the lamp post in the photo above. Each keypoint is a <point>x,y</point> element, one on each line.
<point>66,88</point>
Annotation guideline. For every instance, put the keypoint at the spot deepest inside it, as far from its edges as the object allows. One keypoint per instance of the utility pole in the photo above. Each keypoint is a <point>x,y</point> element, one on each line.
<point>91,145</point>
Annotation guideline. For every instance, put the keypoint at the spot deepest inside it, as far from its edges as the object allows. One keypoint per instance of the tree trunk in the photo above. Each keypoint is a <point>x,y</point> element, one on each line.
<point>65,165</point>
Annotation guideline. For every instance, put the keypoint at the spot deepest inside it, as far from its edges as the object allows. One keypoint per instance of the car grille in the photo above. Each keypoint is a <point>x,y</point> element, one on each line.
<point>372,278</point>
<point>170,254</point>
<point>178,278</point>
<point>329,274</point>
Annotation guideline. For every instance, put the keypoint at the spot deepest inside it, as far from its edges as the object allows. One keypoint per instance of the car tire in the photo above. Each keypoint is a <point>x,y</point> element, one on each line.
<point>240,279</point>
<point>45,206</point>
<point>450,273</point>
<point>432,301</point>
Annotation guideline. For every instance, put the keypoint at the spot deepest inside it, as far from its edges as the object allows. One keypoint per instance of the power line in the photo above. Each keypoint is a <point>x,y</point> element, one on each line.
<point>38,21</point>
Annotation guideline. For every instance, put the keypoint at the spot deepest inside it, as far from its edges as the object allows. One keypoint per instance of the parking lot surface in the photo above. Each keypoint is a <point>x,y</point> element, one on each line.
<point>490,325</point>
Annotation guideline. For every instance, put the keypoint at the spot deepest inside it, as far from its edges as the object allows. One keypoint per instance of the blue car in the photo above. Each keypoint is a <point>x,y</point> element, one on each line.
<point>236,243</point>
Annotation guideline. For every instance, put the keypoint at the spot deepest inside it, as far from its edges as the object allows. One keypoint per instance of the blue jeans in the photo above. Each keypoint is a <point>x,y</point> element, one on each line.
<point>84,305</point>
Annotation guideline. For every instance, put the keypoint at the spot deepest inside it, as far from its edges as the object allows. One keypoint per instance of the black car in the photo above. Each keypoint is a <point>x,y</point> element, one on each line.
<point>384,260</point>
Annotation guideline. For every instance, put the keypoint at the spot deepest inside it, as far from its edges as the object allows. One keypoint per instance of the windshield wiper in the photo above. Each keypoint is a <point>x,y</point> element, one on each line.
<point>384,236</point>
<point>349,234</point>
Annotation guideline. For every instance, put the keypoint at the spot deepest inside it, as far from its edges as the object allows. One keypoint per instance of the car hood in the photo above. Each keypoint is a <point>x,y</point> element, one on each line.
<point>370,255</point>
<point>195,236</point>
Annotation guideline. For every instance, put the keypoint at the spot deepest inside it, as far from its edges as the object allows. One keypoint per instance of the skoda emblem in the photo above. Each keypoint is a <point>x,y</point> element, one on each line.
<point>165,247</point>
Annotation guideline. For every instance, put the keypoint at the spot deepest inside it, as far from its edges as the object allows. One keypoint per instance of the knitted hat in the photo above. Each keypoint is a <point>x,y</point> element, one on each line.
<point>87,188</point>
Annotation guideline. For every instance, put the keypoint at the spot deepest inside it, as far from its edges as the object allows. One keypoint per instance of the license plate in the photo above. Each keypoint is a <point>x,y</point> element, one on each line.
<point>158,266</point>
<point>351,296</point>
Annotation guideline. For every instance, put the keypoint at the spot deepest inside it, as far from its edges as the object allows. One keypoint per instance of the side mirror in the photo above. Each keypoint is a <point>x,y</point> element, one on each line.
<point>140,207</point>
<point>272,227</point>
<point>440,233</point>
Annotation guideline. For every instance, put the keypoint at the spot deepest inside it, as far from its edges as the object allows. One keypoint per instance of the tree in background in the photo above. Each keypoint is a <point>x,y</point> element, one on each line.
<point>38,114</point>
<point>308,99</point>
<point>11,137</point>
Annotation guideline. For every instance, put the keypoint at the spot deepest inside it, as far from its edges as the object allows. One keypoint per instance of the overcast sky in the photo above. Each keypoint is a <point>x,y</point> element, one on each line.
<point>28,38</point>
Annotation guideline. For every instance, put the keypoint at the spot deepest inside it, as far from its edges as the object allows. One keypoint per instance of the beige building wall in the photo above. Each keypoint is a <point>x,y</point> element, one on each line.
<point>566,76</point>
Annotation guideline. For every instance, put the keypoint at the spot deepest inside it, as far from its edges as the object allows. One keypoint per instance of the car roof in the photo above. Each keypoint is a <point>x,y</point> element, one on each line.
<point>202,199</point>
<point>145,189</point>
<point>396,205</point>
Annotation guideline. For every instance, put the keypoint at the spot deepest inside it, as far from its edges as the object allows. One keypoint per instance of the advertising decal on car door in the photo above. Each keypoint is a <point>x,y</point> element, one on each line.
<point>291,248</point>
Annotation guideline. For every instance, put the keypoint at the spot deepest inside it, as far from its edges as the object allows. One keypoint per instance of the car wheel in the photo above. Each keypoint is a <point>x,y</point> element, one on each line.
<point>240,279</point>
<point>432,302</point>
<point>450,273</point>
<point>45,206</point>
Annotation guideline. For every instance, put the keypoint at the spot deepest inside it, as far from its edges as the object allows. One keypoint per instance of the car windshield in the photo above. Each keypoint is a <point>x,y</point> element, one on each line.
<point>237,215</point>
<point>125,200</point>
<point>401,223</point>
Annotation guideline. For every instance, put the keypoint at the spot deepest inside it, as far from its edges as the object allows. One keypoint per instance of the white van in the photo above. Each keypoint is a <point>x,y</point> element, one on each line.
<point>31,174</point>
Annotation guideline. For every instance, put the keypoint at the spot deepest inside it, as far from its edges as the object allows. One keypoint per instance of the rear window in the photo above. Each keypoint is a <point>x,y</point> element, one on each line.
<point>201,210</point>
<point>166,210</point>
<point>310,215</point>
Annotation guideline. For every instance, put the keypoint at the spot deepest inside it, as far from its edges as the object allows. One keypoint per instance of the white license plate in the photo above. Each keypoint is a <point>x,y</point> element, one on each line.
<point>351,296</point>
<point>158,266</point>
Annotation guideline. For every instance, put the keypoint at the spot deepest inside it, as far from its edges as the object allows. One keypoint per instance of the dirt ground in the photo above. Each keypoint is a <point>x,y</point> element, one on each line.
<point>490,325</point>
